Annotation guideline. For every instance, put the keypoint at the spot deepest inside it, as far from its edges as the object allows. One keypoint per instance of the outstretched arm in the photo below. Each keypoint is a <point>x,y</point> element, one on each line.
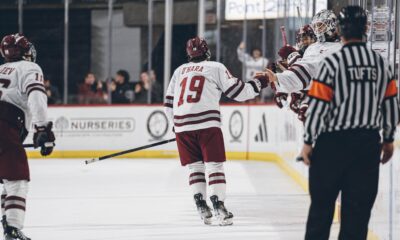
<point>238,90</point>
<point>241,52</point>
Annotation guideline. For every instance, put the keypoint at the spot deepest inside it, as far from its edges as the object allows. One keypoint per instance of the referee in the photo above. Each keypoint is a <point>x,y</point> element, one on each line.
<point>353,97</point>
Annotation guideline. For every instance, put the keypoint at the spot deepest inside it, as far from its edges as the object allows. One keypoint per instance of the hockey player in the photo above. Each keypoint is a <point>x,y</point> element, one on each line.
<point>23,101</point>
<point>304,38</point>
<point>192,104</point>
<point>299,74</point>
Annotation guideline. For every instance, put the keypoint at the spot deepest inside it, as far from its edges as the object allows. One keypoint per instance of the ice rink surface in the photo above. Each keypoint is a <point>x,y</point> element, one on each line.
<point>151,199</point>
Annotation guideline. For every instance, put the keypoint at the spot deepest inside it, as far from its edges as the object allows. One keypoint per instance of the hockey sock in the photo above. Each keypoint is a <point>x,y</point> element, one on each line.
<point>15,201</point>
<point>197,178</point>
<point>216,180</point>
<point>3,199</point>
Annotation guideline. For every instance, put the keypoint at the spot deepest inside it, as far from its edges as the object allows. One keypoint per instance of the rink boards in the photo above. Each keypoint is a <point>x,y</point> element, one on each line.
<point>84,131</point>
<point>257,132</point>
<point>252,132</point>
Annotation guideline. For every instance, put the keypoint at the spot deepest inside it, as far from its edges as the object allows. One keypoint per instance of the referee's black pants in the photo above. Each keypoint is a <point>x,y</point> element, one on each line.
<point>346,161</point>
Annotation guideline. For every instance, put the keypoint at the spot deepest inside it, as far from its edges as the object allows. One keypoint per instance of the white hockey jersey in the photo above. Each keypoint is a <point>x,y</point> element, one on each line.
<point>21,84</point>
<point>192,99</point>
<point>252,65</point>
<point>299,74</point>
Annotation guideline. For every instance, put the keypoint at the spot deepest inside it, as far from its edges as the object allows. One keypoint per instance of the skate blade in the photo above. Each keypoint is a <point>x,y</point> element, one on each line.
<point>207,221</point>
<point>226,221</point>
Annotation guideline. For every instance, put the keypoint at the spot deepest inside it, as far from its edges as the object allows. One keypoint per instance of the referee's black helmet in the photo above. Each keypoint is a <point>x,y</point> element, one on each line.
<point>352,22</point>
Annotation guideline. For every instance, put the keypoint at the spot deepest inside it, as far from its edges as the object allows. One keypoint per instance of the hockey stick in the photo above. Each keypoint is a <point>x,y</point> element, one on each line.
<point>299,13</point>
<point>284,39</point>
<point>129,151</point>
<point>31,145</point>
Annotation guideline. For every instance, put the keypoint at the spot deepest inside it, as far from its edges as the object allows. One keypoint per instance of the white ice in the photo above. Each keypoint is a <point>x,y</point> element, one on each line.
<point>150,199</point>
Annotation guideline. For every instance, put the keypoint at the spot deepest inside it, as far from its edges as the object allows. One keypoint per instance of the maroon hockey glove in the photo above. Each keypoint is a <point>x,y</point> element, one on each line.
<point>263,78</point>
<point>293,57</point>
<point>44,138</point>
<point>285,51</point>
<point>279,98</point>
<point>295,102</point>
<point>302,112</point>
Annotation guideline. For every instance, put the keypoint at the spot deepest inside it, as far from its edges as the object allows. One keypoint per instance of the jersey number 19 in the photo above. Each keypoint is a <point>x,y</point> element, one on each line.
<point>196,85</point>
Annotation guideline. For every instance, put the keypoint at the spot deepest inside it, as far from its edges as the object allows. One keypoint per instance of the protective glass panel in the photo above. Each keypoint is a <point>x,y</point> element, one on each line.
<point>382,37</point>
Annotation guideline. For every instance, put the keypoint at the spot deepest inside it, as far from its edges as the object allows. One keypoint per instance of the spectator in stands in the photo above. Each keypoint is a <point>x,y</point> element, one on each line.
<point>91,91</point>
<point>253,63</point>
<point>156,89</point>
<point>142,88</point>
<point>53,95</point>
<point>120,89</point>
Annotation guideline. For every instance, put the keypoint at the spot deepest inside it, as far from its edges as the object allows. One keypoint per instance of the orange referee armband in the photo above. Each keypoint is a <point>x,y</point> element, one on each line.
<point>321,91</point>
<point>391,89</point>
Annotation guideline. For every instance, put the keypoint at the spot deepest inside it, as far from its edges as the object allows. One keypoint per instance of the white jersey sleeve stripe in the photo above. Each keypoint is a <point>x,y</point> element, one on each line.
<point>40,89</point>
<point>227,93</point>
<point>303,81</point>
<point>237,92</point>
<point>32,85</point>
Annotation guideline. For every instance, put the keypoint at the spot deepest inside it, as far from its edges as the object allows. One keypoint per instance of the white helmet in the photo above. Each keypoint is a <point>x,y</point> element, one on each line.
<point>324,25</point>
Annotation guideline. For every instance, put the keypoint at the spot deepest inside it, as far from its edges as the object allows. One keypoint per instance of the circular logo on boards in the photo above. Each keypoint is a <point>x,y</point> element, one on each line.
<point>157,124</point>
<point>236,125</point>
<point>61,123</point>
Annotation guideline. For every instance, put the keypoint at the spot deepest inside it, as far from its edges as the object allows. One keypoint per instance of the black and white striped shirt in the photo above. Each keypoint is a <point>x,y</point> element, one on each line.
<point>354,89</point>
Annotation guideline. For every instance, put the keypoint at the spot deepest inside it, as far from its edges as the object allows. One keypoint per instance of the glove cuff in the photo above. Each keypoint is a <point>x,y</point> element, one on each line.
<point>256,84</point>
<point>44,127</point>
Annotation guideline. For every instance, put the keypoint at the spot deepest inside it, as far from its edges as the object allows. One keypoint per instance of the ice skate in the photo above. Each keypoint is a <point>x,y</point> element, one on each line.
<point>203,209</point>
<point>223,215</point>
<point>13,233</point>
<point>4,224</point>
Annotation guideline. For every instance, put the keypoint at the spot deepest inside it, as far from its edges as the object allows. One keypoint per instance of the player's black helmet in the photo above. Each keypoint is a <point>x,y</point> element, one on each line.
<point>352,22</point>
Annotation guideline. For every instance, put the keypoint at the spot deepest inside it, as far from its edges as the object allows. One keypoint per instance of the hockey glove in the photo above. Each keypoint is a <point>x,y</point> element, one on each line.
<point>266,78</point>
<point>302,112</point>
<point>279,98</point>
<point>295,102</point>
<point>293,57</point>
<point>285,51</point>
<point>263,79</point>
<point>44,138</point>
